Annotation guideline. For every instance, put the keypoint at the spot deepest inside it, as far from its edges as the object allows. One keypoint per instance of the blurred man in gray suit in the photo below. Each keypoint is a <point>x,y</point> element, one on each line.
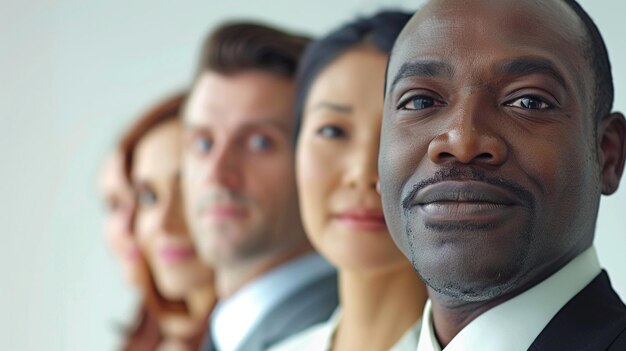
<point>240,195</point>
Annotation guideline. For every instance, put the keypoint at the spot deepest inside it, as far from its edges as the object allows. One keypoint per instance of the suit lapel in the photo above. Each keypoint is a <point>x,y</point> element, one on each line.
<point>592,320</point>
<point>311,304</point>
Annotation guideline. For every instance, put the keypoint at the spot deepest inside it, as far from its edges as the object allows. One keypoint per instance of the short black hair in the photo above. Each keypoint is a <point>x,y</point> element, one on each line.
<point>596,53</point>
<point>380,30</point>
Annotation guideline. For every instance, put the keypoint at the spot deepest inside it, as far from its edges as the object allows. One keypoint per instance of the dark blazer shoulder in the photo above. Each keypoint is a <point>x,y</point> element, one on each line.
<point>619,344</point>
<point>594,319</point>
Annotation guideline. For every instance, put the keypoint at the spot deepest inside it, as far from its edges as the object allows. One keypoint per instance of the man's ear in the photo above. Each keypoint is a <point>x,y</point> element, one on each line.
<point>612,151</point>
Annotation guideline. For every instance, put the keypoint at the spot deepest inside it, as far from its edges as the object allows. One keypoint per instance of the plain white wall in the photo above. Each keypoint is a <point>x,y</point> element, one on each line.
<point>73,74</point>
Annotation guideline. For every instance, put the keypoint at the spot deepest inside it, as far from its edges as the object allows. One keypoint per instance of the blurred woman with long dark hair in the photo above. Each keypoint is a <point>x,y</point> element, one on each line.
<point>339,106</point>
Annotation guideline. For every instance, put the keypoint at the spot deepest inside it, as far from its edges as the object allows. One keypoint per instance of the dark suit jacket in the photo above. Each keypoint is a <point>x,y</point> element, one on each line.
<point>311,304</point>
<point>594,320</point>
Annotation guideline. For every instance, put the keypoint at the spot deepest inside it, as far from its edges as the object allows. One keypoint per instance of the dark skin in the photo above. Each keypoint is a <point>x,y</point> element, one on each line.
<point>492,162</point>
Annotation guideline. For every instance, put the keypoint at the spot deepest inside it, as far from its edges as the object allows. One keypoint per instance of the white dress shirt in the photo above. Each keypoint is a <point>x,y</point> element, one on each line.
<point>320,337</point>
<point>516,323</point>
<point>234,318</point>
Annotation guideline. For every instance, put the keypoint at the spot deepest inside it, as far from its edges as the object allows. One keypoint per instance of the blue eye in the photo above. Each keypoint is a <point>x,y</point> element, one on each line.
<point>259,142</point>
<point>203,144</point>
<point>146,198</point>
<point>331,132</point>
<point>530,102</point>
<point>417,103</point>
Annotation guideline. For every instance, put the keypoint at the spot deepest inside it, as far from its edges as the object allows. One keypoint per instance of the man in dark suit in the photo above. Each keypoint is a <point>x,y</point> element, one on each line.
<point>497,142</point>
<point>239,190</point>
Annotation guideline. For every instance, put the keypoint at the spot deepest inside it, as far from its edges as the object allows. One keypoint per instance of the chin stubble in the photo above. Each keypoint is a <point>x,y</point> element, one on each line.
<point>508,278</point>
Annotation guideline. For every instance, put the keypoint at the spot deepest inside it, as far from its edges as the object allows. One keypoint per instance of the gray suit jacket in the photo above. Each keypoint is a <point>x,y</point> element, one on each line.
<point>312,304</point>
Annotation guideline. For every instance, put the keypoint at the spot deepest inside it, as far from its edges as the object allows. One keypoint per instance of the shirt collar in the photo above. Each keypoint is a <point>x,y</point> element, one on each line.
<point>516,323</point>
<point>234,318</point>
<point>407,341</point>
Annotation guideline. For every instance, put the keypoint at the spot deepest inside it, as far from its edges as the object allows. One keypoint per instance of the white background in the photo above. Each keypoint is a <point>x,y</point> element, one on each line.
<point>72,75</point>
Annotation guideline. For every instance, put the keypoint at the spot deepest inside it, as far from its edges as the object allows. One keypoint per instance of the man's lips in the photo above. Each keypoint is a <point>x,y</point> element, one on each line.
<point>464,201</point>
<point>362,219</point>
<point>465,191</point>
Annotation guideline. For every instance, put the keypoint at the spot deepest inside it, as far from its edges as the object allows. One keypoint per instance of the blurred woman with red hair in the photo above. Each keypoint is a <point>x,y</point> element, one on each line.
<point>177,286</point>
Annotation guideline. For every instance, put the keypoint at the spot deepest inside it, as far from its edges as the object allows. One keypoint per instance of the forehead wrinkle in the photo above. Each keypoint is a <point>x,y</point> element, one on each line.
<point>272,123</point>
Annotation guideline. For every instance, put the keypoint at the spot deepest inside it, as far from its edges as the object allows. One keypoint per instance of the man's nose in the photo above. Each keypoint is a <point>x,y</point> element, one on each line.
<point>470,137</point>
<point>224,169</point>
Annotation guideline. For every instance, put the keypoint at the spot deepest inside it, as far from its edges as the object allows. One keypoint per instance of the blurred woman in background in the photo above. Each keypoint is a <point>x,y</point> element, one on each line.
<point>177,287</point>
<point>119,200</point>
<point>340,104</point>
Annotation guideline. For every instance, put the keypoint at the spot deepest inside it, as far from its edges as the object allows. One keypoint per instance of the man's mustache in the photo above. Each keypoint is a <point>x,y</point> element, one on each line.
<point>470,173</point>
<point>223,197</point>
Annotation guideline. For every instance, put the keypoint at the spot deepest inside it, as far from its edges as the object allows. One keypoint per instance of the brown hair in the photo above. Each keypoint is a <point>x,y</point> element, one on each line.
<point>240,46</point>
<point>154,305</point>
<point>168,109</point>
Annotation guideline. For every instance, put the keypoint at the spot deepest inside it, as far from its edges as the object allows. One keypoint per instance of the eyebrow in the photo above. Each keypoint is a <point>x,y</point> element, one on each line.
<point>272,123</point>
<point>140,184</point>
<point>526,66</point>
<point>426,69</point>
<point>333,106</point>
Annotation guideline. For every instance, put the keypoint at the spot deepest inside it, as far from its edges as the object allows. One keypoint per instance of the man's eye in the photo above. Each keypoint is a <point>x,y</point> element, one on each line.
<point>419,102</point>
<point>146,198</point>
<point>331,132</point>
<point>203,144</point>
<point>530,103</point>
<point>259,142</point>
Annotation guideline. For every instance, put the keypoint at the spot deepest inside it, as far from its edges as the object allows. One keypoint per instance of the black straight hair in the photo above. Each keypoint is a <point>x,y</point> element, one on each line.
<point>379,30</point>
